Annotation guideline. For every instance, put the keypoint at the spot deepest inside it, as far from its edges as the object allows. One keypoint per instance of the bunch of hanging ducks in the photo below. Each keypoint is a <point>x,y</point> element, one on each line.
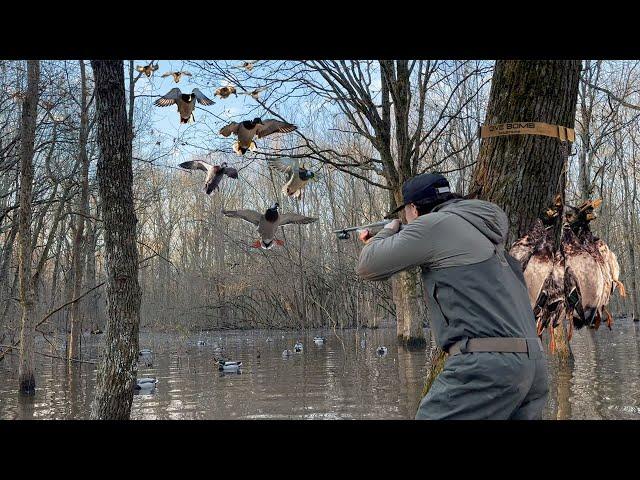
<point>575,281</point>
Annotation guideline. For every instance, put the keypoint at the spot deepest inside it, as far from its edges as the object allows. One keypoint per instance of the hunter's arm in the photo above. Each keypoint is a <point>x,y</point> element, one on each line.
<point>387,253</point>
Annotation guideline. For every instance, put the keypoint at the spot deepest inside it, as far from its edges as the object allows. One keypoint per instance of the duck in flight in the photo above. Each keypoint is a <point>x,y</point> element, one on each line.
<point>214,173</point>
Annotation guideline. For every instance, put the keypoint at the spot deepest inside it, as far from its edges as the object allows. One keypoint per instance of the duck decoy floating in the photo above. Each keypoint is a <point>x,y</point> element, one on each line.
<point>146,357</point>
<point>97,331</point>
<point>381,351</point>
<point>146,383</point>
<point>298,347</point>
<point>287,353</point>
<point>319,340</point>
<point>228,366</point>
<point>201,343</point>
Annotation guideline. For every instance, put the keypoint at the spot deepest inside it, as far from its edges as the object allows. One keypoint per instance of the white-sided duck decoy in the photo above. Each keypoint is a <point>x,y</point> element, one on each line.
<point>297,175</point>
<point>201,343</point>
<point>146,383</point>
<point>268,223</point>
<point>269,340</point>
<point>225,92</point>
<point>177,76</point>
<point>228,366</point>
<point>247,130</point>
<point>381,351</point>
<point>255,93</point>
<point>146,357</point>
<point>319,340</point>
<point>97,331</point>
<point>298,347</point>
<point>287,353</point>
<point>148,69</point>
<point>186,102</point>
<point>214,173</point>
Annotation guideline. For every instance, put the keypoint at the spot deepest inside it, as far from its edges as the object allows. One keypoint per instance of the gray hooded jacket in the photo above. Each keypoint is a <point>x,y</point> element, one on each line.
<point>473,288</point>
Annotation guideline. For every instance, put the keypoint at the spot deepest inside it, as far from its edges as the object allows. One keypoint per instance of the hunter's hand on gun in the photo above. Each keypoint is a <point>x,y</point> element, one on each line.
<point>365,235</point>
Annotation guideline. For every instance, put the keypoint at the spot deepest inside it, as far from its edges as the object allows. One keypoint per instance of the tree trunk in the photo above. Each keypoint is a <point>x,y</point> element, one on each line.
<point>522,173</point>
<point>26,379</point>
<point>79,240</point>
<point>413,336</point>
<point>117,370</point>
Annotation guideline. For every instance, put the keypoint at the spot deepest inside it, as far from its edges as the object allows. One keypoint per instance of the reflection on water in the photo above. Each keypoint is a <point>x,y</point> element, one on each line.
<point>343,378</point>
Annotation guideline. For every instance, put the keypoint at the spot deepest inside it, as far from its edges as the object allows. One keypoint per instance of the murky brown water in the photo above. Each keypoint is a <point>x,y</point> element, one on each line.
<point>342,379</point>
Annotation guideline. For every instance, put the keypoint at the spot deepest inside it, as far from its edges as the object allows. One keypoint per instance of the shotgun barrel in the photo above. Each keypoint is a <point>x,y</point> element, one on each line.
<point>343,233</point>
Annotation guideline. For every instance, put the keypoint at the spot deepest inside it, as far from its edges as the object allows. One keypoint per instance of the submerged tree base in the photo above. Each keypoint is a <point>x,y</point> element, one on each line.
<point>28,385</point>
<point>414,343</point>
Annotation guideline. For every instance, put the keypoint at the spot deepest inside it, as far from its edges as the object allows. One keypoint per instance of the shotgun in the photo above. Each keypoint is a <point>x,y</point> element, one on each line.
<point>343,233</point>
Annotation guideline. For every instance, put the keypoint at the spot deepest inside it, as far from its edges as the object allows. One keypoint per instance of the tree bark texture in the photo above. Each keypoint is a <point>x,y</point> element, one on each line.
<point>26,378</point>
<point>117,370</point>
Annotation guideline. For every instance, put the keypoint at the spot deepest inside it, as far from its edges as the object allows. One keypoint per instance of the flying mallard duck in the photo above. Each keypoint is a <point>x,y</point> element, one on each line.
<point>148,69</point>
<point>224,92</point>
<point>214,173</point>
<point>186,102</point>
<point>298,176</point>
<point>255,93</point>
<point>177,76</point>
<point>250,128</point>
<point>268,223</point>
<point>247,65</point>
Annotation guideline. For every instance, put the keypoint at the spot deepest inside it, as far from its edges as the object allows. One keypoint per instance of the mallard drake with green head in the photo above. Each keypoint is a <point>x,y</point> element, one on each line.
<point>248,129</point>
<point>268,223</point>
<point>186,102</point>
<point>214,173</point>
<point>297,175</point>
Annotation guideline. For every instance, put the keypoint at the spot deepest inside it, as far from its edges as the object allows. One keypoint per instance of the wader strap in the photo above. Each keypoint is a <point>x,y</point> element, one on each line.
<point>564,134</point>
<point>494,344</point>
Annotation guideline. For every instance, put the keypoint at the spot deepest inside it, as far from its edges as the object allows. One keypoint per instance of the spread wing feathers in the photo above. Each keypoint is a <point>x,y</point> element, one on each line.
<point>285,165</point>
<point>273,126</point>
<point>201,97</point>
<point>166,74</point>
<point>196,165</point>
<point>248,215</point>
<point>230,172</point>
<point>169,98</point>
<point>229,129</point>
<point>287,218</point>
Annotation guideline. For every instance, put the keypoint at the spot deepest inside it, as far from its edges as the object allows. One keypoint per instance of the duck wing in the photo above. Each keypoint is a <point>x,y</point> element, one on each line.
<point>285,165</point>
<point>166,74</point>
<point>249,215</point>
<point>201,97</point>
<point>230,172</point>
<point>273,126</point>
<point>169,98</point>
<point>196,165</point>
<point>287,218</point>
<point>229,129</point>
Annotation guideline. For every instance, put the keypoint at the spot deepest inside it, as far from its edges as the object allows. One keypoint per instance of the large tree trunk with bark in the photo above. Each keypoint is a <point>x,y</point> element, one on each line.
<point>523,173</point>
<point>117,371</point>
<point>26,378</point>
